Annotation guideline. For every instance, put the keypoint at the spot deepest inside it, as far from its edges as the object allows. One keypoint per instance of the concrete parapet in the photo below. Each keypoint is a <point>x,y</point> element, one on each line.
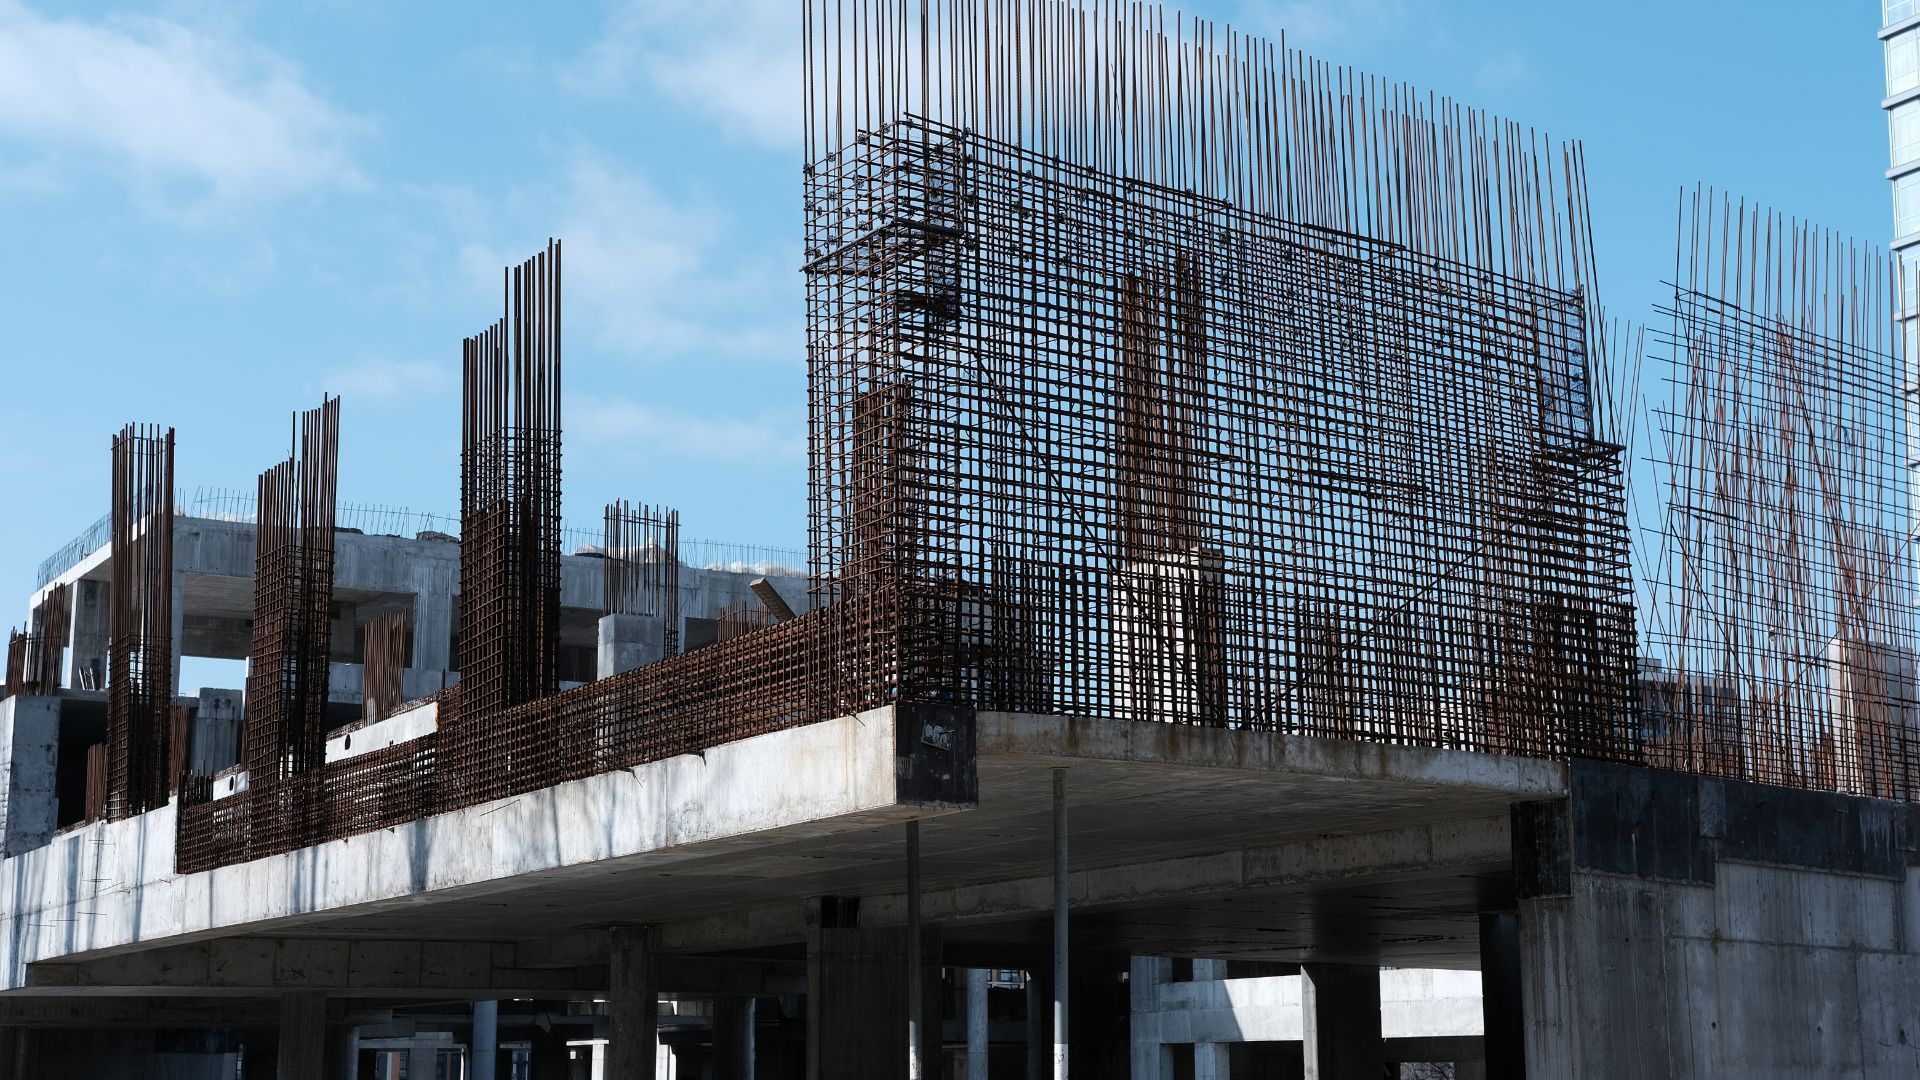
<point>30,746</point>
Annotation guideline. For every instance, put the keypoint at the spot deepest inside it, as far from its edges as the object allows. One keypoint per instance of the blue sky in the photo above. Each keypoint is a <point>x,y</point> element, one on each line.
<point>212,212</point>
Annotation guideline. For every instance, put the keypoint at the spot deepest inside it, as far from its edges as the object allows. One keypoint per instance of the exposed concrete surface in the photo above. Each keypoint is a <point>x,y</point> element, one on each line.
<point>29,745</point>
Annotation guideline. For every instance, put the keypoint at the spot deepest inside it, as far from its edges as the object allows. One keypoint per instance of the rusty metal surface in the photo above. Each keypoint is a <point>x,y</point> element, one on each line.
<point>140,622</point>
<point>1780,633</point>
<point>642,549</point>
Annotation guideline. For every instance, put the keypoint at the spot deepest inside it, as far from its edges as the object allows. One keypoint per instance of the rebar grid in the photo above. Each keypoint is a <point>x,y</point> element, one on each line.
<point>510,521</point>
<point>383,665</point>
<point>642,573</point>
<point>1780,630</point>
<point>140,622</point>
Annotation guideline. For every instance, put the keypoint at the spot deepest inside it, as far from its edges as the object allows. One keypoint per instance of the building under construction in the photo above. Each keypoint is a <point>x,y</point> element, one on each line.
<point>1260,619</point>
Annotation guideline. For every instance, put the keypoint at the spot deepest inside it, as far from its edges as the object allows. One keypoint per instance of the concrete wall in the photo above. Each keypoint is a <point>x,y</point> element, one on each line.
<point>29,749</point>
<point>1673,926</point>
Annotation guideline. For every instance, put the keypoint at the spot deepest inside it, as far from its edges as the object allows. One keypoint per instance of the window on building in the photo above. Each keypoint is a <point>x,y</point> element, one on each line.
<point>1904,125</point>
<point>1909,281</point>
<point>1906,205</point>
<point>1896,10</point>
<point>1903,63</point>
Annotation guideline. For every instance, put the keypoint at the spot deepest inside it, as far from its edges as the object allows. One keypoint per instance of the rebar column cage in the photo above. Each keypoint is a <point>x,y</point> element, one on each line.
<point>140,622</point>
<point>383,665</point>
<point>510,522</point>
<point>1780,638</point>
<point>642,565</point>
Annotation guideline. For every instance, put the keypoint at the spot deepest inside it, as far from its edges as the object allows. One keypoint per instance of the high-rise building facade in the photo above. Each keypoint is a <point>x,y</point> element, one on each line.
<point>1900,33</point>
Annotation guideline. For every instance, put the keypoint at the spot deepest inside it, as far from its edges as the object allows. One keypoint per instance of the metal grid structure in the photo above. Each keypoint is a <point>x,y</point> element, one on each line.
<point>510,522</point>
<point>140,622</point>
<point>34,654</point>
<point>1162,378</point>
<point>383,665</point>
<point>642,551</point>
<point>1780,631</point>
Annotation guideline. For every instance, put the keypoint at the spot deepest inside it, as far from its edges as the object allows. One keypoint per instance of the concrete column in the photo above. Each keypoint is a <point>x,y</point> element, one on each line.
<point>1152,1058</point>
<point>484,1047</point>
<point>1500,994</point>
<point>303,1035</point>
<point>87,637</point>
<point>343,1053</point>
<point>1039,1025</point>
<point>433,629</point>
<point>29,752</point>
<point>733,1038</point>
<point>1210,1059</point>
<point>1340,1022</point>
<point>630,641</point>
<point>633,1004</point>
<point>179,628</point>
<point>856,1002</point>
<point>977,1023</point>
<point>1060,937</point>
<point>423,1059</point>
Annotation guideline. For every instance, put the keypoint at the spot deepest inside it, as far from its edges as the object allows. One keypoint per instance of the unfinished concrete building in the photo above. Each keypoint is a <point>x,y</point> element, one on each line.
<point>1219,652</point>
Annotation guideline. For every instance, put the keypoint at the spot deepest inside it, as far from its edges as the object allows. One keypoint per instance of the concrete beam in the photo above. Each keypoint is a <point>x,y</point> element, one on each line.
<point>266,965</point>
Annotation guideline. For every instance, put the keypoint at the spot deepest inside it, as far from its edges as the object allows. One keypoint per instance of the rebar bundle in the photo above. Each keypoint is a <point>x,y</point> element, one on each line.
<point>1781,630</point>
<point>642,549</point>
<point>383,666</point>
<point>140,622</point>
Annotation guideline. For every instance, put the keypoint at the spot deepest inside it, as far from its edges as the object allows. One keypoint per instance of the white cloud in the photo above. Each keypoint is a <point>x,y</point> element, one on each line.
<point>386,381</point>
<point>772,439</point>
<point>174,103</point>
<point>739,61</point>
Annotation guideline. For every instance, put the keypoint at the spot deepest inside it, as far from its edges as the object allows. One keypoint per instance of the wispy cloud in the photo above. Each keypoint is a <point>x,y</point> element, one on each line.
<point>739,62</point>
<point>386,381</point>
<point>172,102</point>
<point>773,439</point>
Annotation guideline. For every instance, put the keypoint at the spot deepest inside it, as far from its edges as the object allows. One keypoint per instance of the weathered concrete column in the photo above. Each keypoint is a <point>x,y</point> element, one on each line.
<point>1502,1020</point>
<point>484,1049</point>
<point>87,637</point>
<point>977,1023</point>
<point>733,1038</point>
<point>630,641</point>
<point>29,749</point>
<point>1152,1059</point>
<point>179,629</point>
<point>1210,1060</point>
<point>856,1001</point>
<point>423,1058</point>
<point>303,1035</point>
<point>1061,942</point>
<point>433,629</point>
<point>633,1004</point>
<point>343,1052</point>
<point>1340,1022</point>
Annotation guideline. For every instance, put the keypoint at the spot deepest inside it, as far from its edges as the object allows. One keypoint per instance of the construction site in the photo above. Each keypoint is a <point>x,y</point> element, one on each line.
<point>1263,617</point>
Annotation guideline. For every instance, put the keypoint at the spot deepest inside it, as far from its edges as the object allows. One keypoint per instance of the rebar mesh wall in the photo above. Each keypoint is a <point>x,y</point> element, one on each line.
<point>1781,630</point>
<point>1115,450</point>
<point>140,621</point>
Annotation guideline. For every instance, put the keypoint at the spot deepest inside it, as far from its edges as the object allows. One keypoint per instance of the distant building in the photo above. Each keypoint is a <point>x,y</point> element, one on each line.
<point>1900,31</point>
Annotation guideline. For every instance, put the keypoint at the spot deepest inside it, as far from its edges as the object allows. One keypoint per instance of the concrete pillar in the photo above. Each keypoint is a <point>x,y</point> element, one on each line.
<point>977,1023</point>
<point>179,628</point>
<point>633,1004</point>
<point>87,637</point>
<point>303,1035</point>
<point>1061,939</point>
<point>484,1047</point>
<point>1504,1025</point>
<point>343,1053</point>
<point>630,641</point>
<point>29,752</point>
<point>1340,1022</point>
<point>1039,1026</point>
<point>1152,1058</point>
<point>1210,1059</point>
<point>433,629</point>
<point>733,1038</point>
<point>856,1002</point>
<point>423,1059</point>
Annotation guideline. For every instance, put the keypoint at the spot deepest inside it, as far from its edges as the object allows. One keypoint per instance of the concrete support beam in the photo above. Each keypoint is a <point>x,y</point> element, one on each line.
<point>433,629</point>
<point>179,630</point>
<point>303,1036</point>
<point>484,1049</point>
<point>1210,1061</point>
<point>630,641</point>
<point>1340,1022</point>
<point>977,1023</point>
<point>1152,1059</point>
<point>366,965</point>
<point>1504,1022</point>
<point>633,1004</point>
<point>733,1048</point>
<point>856,1002</point>
<point>29,750</point>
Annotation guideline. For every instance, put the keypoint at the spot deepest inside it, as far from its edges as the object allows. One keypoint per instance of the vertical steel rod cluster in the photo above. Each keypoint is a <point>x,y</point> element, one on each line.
<point>510,516</point>
<point>34,654</point>
<point>140,622</point>
<point>383,665</point>
<point>642,549</point>
<point>1781,631</point>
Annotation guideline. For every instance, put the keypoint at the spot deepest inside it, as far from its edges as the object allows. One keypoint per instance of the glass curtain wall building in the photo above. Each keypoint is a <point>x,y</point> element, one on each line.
<point>1900,34</point>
